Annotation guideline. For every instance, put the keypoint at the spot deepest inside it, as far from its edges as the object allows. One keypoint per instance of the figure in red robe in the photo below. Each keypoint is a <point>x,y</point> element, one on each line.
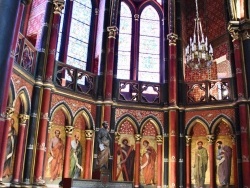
<point>148,163</point>
<point>56,159</point>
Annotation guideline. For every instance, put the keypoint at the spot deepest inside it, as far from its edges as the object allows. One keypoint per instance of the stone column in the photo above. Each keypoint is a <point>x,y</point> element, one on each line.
<point>137,160</point>
<point>7,125</point>
<point>117,137</point>
<point>212,160</point>
<point>234,160</point>
<point>66,166</point>
<point>173,150</point>
<point>20,145</point>
<point>88,156</point>
<point>159,140</point>
<point>40,153</point>
<point>188,161</point>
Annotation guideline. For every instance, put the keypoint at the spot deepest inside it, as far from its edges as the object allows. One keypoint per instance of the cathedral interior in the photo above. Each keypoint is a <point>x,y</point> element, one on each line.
<point>131,93</point>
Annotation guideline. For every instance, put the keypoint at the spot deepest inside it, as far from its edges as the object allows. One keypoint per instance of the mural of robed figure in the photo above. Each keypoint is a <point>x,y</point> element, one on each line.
<point>224,156</point>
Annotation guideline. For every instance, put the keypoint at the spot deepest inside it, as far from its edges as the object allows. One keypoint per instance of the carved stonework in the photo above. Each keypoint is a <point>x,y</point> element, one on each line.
<point>9,112</point>
<point>136,16</point>
<point>246,35</point>
<point>23,118</point>
<point>188,140</point>
<point>172,38</point>
<point>89,134</point>
<point>138,137</point>
<point>233,29</point>
<point>50,126</point>
<point>233,138</point>
<point>69,130</point>
<point>159,139</point>
<point>113,31</point>
<point>117,136</point>
<point>96,11</point>
<point>41,146</point>
<point>59,6</point>
<point>210,139</point>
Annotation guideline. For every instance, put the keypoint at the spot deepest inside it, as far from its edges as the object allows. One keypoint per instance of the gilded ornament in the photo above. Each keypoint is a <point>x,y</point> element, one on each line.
<point>69,130</point>
<point>89,134</point>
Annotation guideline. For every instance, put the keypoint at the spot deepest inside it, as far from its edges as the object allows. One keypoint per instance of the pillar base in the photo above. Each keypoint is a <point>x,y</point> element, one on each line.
<point>2,184</point>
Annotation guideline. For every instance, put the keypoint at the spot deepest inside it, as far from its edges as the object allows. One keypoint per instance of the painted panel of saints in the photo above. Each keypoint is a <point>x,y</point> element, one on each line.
<point>224,163</point>
<point>55,154</point>
<point>125,160</point>
<point>148,162</point>
<point>200,167</point>
<point>76,156</point>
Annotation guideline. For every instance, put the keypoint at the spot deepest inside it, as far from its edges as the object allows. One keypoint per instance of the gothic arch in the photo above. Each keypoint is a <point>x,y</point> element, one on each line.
<point>87,116</point>
<point>220,119</point>
<point>24,99</point>
<point>65,108</point>
<point>155,122</point>
<point>193,122</point>
<point>129,118</point>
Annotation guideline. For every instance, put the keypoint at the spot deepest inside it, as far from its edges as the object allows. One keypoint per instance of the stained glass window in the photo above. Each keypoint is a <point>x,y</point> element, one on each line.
<point>149,46</point>
<point>124,47</point>
<point>79,33</point>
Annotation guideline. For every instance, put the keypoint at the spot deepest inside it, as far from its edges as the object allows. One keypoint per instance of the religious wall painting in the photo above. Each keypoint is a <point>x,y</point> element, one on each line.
<point>55,154</point>
<point>56,143</point>
<point>125,151</point>
<point>148,154</point>
<point>224,154</point>
<point>77,154</point>
<point>10,149</point>
<point>199,156</point>
<point>77,147</point>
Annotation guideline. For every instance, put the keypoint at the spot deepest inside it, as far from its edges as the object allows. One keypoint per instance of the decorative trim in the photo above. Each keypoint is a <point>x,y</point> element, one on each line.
<point>245,35</point>
<point>138,137</point>
<point>69,130</point>
<point>210,139</point>
<point>113,31</point>
<point>23,118</point>
<point>172,37</point>
<point>136,16</point>
<point>58,6</point>
<point>159,139</point>
<point>117,136</point>
<point>188,140</point>
<point>89,134</point>
<point>233,28</point>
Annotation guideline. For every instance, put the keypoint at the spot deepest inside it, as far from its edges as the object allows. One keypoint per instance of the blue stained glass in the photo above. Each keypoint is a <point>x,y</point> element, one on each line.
<point>149,47</point>
<point>124,46</point>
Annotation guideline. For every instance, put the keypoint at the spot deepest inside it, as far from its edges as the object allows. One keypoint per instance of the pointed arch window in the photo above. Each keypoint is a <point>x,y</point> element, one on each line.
<point>139,53</point>
<point>74,33</point>
<point>124,44</point>
<point>149,47</point>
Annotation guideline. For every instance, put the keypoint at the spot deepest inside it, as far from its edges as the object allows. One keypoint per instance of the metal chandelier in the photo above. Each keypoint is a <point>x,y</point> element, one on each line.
<point>199,54</point>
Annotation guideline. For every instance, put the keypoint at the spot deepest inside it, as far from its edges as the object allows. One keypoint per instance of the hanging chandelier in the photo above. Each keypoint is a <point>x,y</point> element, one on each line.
<point>198,53</point>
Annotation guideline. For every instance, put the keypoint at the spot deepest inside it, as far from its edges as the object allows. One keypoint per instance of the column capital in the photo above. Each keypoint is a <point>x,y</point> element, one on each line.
<point>89,134</point>
<point>50,126</point>
<point>23,118</point>
<point>138,137</point>
<point>210,138</point>
<point>172,37</point>
<point>188,140</point>
<point>113,31</point>
<point>58,6</point>
<point>233,28</point>
<point>136,16</point>
<point>246,35</point>
<point>26,2</point>
<point>9,112</point>
<point>159,139</point>
<point>69,130</point>
<point>233,138</point>
<point>117,136</point>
